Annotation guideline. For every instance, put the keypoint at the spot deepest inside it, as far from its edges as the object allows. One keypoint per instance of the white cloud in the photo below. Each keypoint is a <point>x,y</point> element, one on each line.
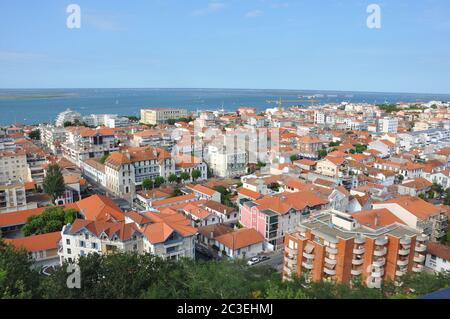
<point>212,7</point>
<point>254,14</point>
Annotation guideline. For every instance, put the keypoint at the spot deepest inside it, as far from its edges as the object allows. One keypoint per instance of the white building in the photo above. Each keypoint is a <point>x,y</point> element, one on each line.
<point>387,125</point>
<point>227,163</point>
<point>52,137</point>
<point>67,116</point>
<point>14,166</point>
<point>161,115</point>
<point>438,257</point>
<point>84,143</point>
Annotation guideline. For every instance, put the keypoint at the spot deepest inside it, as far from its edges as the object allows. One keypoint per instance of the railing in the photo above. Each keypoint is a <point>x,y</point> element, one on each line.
<point>331,250</point>
<point>356,272</point>
<point>381,241</point>
<point>330,261</point>
<point>380,252</point>
<point>359,251</point>
<point>379,262</point>
<point>307,265</point>
<point>330,272</point>
<point>419,258</point>
<point>417,268</point>
<point>402,262</point>
<point>403,252</point>
<point>420,248</point>
<point>357,262</point>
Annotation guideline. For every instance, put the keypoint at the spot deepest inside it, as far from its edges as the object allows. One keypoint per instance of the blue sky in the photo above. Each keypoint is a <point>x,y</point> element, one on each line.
<point>286,44</point>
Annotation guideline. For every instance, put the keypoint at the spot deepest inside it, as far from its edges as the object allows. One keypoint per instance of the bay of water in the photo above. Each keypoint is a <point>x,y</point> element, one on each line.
<point>32,106</point>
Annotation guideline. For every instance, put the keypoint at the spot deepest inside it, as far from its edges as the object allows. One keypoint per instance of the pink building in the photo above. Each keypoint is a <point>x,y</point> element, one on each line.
<point>274,216</point>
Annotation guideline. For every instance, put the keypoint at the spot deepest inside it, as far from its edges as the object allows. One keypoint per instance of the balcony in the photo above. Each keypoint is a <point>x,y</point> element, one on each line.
<point>381,241</point>
<point>360,240</point>
<point>419,258</point>
<point>291,262</point>
<point>402,262</point>
<point>379,262</point>
<point>422,238</point>
<point>405,241</point>
<point>359,250</point>
<point>307,265</point>
<point>420,248</point>
<point>331,250</point>
<point>291,251</point>
<point>308,256</point>
<point>378,273</point>
<point>330,272</point>
<point>356,272</point>
<point>417,268</point>
<point>330,261</point>
<point>357,262</point>
<point>403,252</point>
<point>380,252</point>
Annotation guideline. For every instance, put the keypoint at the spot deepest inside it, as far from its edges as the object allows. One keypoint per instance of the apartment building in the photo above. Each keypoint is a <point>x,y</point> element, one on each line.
<point>126,170</point>
<point>225,163</point>
<point>13,197</point>
<point>308,146</point>
<point>67,116</point>
<point>437,138</point>
<point>274,216</point>
<point>387,125</point>
<point>13,165</point>
<point>84,143</point>
<point>370,246</point>
<point>161,115</point>
<point>52,137</point>
<point>426,218</point>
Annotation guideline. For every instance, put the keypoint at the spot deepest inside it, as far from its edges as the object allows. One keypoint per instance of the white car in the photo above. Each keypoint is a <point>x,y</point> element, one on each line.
<point>253,261</point>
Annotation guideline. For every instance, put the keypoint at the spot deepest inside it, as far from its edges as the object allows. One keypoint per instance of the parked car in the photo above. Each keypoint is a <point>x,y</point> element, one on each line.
<point>253,261</point>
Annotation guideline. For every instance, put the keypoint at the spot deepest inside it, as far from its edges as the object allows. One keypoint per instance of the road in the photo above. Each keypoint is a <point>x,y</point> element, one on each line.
<point>275,261</point>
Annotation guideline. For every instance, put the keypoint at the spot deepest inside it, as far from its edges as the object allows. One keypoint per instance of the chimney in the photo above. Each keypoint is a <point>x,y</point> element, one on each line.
<point>376,220</point>
<point>212,234</point>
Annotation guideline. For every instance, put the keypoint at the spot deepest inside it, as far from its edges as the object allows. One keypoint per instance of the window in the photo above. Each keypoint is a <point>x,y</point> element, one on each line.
<point>68,241</point>
<point>69,251</point>
<point>82,243</point>
<point>94,245</point>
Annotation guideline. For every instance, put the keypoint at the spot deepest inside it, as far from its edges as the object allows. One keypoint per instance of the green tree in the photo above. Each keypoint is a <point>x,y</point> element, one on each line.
<point>54,182</point>
<point>159,180</point>
<point>176,192</point>
<point>294,157</point>
<point>196,174</point>
<point>274,186</point>
<point>147,183</point>
<point>172,178</point>
<point>18,279</point>
<point>185,176</point>
<point>104,158</point>
<point>35,135</point>
<point>51,220</point>
<point>322,153</point>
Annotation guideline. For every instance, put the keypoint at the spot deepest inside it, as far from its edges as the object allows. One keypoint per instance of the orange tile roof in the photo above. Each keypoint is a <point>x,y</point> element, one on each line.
<point>282,203</point>
<point>165,223</point>
<point>415,206</point>
<point>417,183</point>
<point>37,242</point>
<point>376,218</point>
<point>19,217</point>
<point>249,193</point>
<point>121,230</point>
<point>202,189</point>
<point>241,238</point>
<point>98,207</point>
<point>439,250</point>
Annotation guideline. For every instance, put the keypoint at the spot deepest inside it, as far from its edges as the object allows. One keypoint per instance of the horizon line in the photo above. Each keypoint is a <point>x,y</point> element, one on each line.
<point>206,88</point>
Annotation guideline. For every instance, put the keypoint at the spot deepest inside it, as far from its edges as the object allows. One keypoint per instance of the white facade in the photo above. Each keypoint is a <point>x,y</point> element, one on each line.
<point>387,125</point>
<point>67,116</point>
